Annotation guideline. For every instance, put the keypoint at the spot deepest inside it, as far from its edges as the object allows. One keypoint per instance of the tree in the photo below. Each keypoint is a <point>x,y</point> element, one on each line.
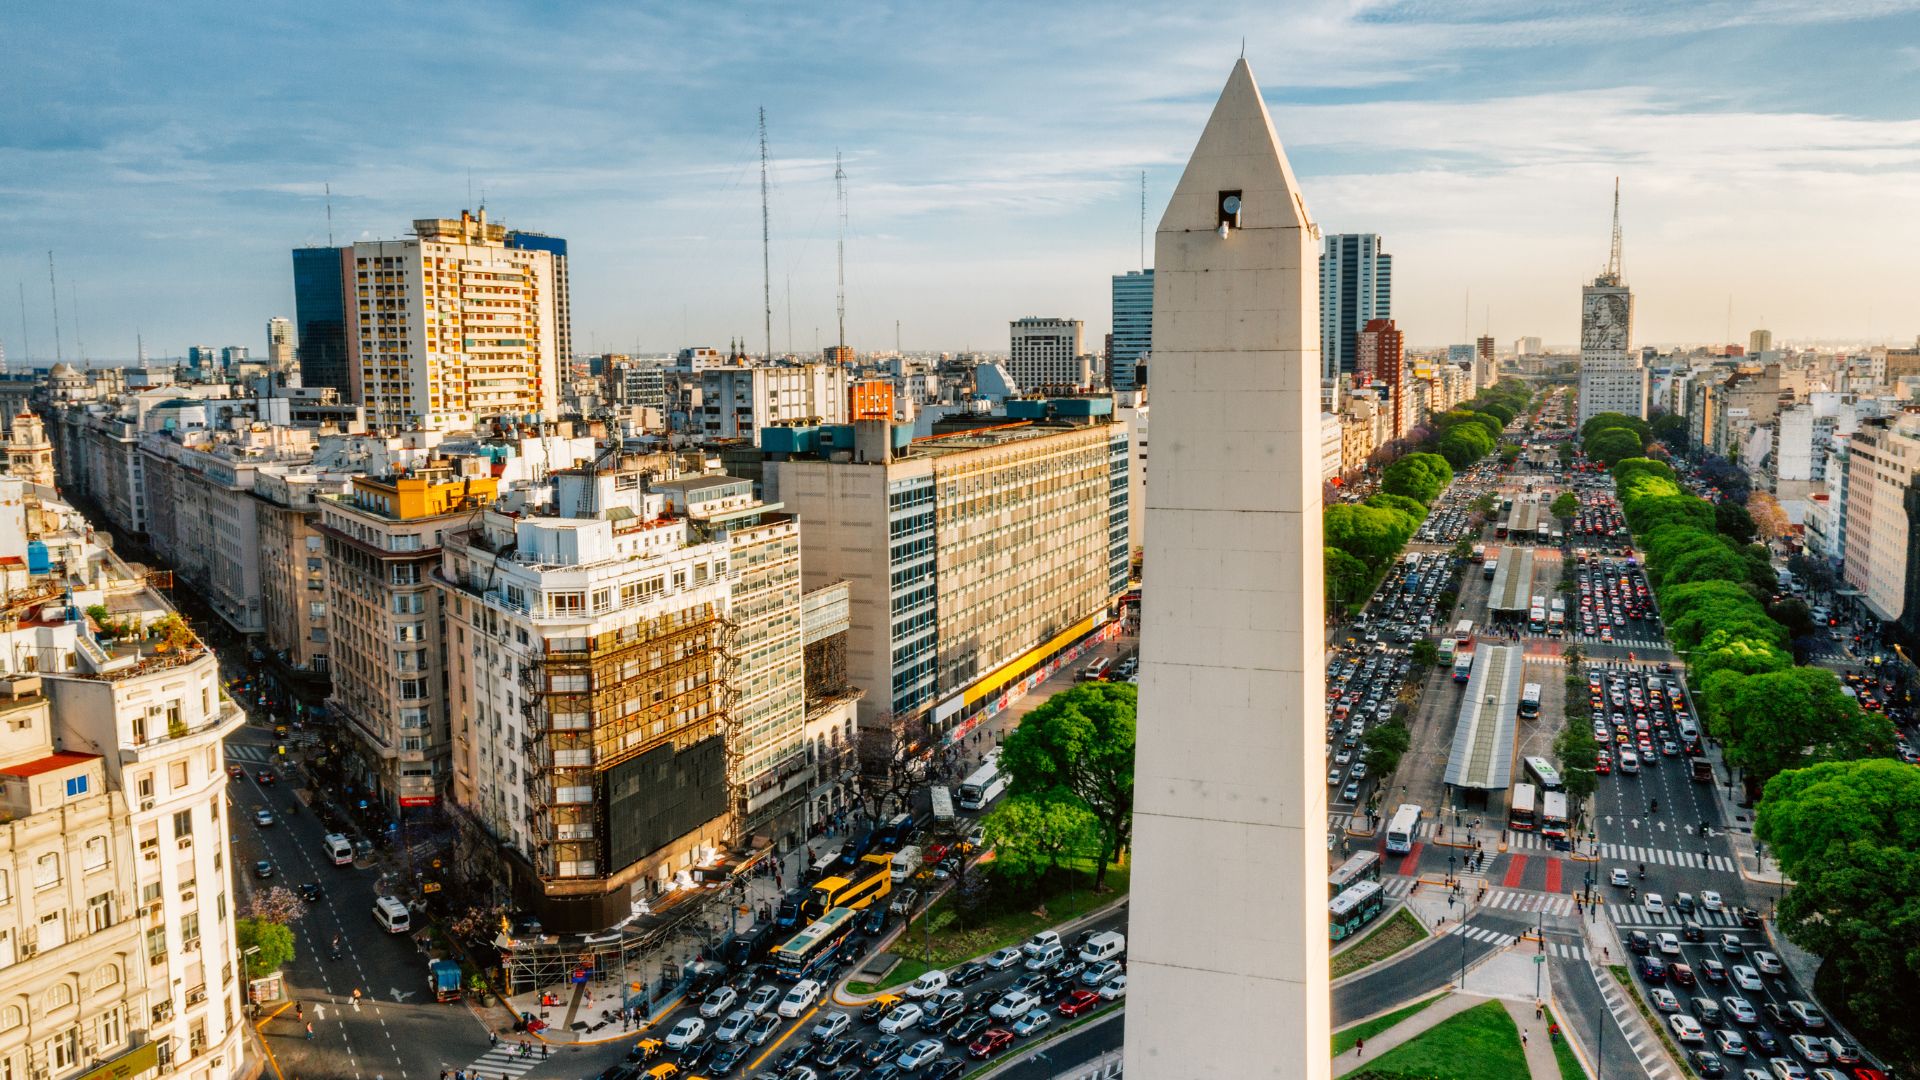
<point>1769,520</point>
<point>1372,534</point>
<point>1734,522</point>
<point>1385,745</point>
<point>1671,429</point>
<point>1417,476</point>
<point>1779,720</point>
<point>1348,579</point>
<point>1605,420</point>
<point>1846,834</point>
<point>1386,500</point>
<point>1579,758</point>
<point>1565,505</point>
<point>1465,444</point>
<point>1613,445</point>
<point>274,940</point>
<point>1033,834</point>
<point>1423,654</point>
<point>277,905</point>
<point>1078,747</point>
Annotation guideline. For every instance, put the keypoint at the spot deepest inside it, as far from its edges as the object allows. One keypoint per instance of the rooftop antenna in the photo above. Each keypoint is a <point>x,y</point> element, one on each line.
<point>1143,208</point>
<point>26,345</point>
<point>840,195</point>
<point>329,189</point>
<point>53,288</point>
<point>1613,255</point>
<point>766,242</point>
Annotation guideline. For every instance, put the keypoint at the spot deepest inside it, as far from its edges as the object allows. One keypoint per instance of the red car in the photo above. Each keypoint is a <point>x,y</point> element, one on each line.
<point>265,776</point>
<point>235,772</point>
<point>1078,1002</point>
<point>990,1042</point>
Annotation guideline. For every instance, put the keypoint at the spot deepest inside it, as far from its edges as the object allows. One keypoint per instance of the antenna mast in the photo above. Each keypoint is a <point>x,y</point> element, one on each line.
<point>1143,218</point>
<point>53,287</point>
<point>840,196</point>
<point>26,331</point>
<point>766,256</point>
<point>1613,256</point>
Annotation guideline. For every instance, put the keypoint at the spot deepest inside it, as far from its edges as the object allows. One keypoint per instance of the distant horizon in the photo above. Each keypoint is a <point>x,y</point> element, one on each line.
<point>994,159</point>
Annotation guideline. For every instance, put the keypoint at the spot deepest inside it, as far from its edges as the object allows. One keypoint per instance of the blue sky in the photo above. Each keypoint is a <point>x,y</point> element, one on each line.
<point>172,154</point>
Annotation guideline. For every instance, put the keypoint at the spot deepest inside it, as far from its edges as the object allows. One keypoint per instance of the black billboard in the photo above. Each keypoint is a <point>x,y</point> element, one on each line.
<point>661,795</point>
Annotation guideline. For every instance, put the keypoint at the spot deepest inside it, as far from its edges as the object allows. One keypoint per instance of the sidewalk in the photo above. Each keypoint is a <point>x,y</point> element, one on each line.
<point>1541,1064</point>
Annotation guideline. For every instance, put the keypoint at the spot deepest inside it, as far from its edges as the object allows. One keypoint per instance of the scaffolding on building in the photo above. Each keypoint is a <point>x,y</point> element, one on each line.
<point>653,952</point>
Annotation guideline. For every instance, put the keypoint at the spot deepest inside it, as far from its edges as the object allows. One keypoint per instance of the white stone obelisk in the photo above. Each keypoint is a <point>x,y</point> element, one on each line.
<point>1228,937</point>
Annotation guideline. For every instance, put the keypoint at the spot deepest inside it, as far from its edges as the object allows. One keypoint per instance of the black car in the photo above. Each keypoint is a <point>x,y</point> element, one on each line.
<point>845,1072</point>
<point>944,1069</point>
<point>1692,931</point>
<point>1763,1040</point>
<point>889,1071</point>
<point>1779,1017</point>
<point>794,1056</point>
<point>310,891</point>
<point>697,1053</point>
<point>1707,1064</point>
<point>981,1000</point>
<point>966,1027</point>
<point>1030,983</point>
<point>874,922</point>
<point>834,1052</point>
<point>1639,944</point>
<point>884,1049</point>
<point>973,971</point>
<point>726,1060</point>
<point>1079,941</point>
<point>1749,918</point>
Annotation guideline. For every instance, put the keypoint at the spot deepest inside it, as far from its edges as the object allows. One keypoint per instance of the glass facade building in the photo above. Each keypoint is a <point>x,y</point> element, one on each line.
<point>320,318</point>
<point>1132,326</point>
<point>1356,286</point>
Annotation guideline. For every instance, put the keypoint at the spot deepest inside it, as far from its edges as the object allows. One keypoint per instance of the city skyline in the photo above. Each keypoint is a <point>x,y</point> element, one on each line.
<point>1479,143</point>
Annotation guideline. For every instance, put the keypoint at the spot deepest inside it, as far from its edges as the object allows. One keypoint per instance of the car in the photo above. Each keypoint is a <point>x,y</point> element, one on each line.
<point>1712,901</point>
<point>263,870</point>
<point>311,892</point>
<point>920,1053</point>
<point>1033,1023</point>
<point>1014,1003</point>
<point>1029,983</point>
<point>761,999</point>
<point>873,922</point>
<point>1730,1043</point>
<point>990,1042</point>
<point>1693,931</point>
<point>762,1028</point>
<point>1713,971</point>
<point>1359,771</point>
<point>686,1032</point>
<point>1767,963</point>
<point>883,1050</point>
<point>1745,977</point>
<point>235,772</point>
<point>1732,945</point>
<point>718,1002</point>
<point>697,1054</point>
<point>1079,1001</point>
<point>1113,989</point>
<point>1041,942</point>
<point>788,1063</point>
<point>1351,792</point>
<point>1100,972</point>
<point>1663,999</point>
<point>1653,969</point>
<point>1741,1010</point>
<point>1778,1016</point>
<point>1686,1029</point>
<point>263,817</point>
<point>1669,945</point>
<point>1806,1015</point>
<point>965,1026</point>
<point>1749,918</point>
<point>966,973</point>
<point>734,1026</point>
<point>726,1059</point>
<point>1809,1048</point>
<point>1708,1064</point>
<point>1003,959</point>
<point>265,776</point>
<point>1786,1069</point>
<point>1763,1041</point>
<point>799,998</point>
<point>1682,974</point>
<point>943,1069</point>
<point>1654,903</point>
<point>830,1027</point>
<point>1842,1052</point>
<point>1333,777</point>
<point>1070,970</point>
<point>1683,903</point>
<point>902,1017</point>
<point>1638,943</point>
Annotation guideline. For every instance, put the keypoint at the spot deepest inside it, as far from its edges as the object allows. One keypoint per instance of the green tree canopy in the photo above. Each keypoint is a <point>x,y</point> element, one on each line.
<point>1492,423</point>
<point>1348,579</point>
<point>1602,421</point>
<point>1579,756</point>
<point>1423,653</point>
<point>1372,534</point>
<point>1387,500</point>
<point>1033,834</point>
<point>1565,505</point>
<point>1417,476</point>
<point>1499,410</point>
<point>1465,444</point>
<point>1785,719</point>
<point>1612,445</point>
<point>1706,563</point>
<point>274,940</point>
<point>1733,520</point>
<point>1078,746</point>
<point>1384,746</point>
<point>1671,428</point>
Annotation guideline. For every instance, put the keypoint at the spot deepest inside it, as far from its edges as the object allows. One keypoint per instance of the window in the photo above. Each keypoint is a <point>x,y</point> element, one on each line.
<point>177,775</point>
<point>144,785</point>
<point>95,853</point>
<point>46,871</point>
<point>99,913</point>
<point>11,1017</point>
<point>413,689</point>
<point>182,824</point>
<point>64,1048</point>
<point>59,995</point>
<point>104,976</point>
<point>76,786</point>
<point>410,632</point>
<point>405,574</point>
<point>110,1030</point>
<point>569,602</point>
<point>190,931</point>
<point>6,887</point>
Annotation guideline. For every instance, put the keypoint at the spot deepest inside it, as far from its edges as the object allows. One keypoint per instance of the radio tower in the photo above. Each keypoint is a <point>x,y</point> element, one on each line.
<point>766,257</point>
<point>840,196</point>
<point>1613,256</point>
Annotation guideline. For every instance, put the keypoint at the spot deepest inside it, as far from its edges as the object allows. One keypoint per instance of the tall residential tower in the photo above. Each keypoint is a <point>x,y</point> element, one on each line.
<point>1356,287</point>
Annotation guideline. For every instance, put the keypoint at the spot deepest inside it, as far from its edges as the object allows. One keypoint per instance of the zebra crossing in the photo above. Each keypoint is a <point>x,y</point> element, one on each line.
<point>1693,860</point>
<point>503,1062</point>
<point>1528,902</point>
<point>1620,641</point>
<point>1644,1043</point>
<point>1636,915</point>
<point>1566,951</point>
<point>1480,933</point>
<point>256,755</point>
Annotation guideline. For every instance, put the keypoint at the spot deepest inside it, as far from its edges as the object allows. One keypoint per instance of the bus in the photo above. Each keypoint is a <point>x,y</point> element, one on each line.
<point>871,880</point>
<point>1536,618</point>
<point>980,788</point>
<point>1096,670</point>
<point>1522,806</point>
<point>1403,827</point>
<point>1462,666</point>
<point>1364,866</point>
<point>1544,774</point>
<point>1354,908</point>
<point>813,947</point>
<point>1463,632</point>
<point>1489,568</point>
<point>1530,701</point>
<point>1553,815</point>
<point>1479,553</point>
<point>1448,651</point>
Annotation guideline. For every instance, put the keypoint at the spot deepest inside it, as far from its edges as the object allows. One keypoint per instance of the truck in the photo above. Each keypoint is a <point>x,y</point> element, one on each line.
<point>1701,770</point>
<point>444,977</point>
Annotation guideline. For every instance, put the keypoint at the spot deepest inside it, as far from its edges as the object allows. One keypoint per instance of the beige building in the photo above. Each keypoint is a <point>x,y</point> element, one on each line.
<point>383,541</point>
<point>1882,462</point>
<point>451,326</point>
<point>29,454</point>
<point>293,566</point>
<point>1048,354</point>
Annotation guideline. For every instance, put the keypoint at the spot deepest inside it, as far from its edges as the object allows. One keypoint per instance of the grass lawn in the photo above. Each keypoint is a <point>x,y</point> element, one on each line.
<point>1479,1044</point>
<point>1072,896</point>
<point>1563,1052</point>
<point>1344,1039</point>
<point>905,971</point>
<point>1399,931</point>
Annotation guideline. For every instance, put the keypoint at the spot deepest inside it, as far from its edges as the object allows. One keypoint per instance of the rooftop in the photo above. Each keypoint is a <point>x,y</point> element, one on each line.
<point>59,759</point>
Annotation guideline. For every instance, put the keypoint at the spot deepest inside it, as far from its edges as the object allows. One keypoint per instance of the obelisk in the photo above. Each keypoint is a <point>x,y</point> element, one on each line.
<point>1228,936</point>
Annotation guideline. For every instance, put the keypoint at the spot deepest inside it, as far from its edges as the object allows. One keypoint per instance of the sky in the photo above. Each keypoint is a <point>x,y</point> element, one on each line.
<point>171,155</point>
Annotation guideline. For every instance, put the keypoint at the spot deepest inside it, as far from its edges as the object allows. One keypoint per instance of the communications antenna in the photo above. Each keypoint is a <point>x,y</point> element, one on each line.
<point>766,231</point>
<point>1613,255</point>
<point>53,287</point>
<point>329,189</point>
<point>1143,219</point>
<point>840,196</point>
<point>26,331</point>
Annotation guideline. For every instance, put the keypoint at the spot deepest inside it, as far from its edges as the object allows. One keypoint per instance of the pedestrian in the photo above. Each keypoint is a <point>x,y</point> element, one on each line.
<point>1360,1047</point>
<point>309,1029</point>
<point>1523,1040</point>
<point>543,1049</point>
<point>299,1012</point>
<point>1539,1010</point>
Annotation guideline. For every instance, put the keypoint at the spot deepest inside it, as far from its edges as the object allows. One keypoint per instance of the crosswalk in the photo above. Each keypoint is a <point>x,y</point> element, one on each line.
<point>1638,915</point>
<point>1644,1044</point>
<point>1566,951</point>
<point>1634,854</point>
<point>1515,901</point>
<point>257,755</point>
<point>503,1062</point>
<point>1480,933</point>
<point>1620,641</point>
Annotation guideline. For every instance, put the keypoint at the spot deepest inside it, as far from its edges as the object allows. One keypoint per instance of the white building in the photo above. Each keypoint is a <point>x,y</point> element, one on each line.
<point>1883,460</point>
<point>1329,446</point>
<point>1048,353</point>
<point>735,403</point>
<point>1613,376</point>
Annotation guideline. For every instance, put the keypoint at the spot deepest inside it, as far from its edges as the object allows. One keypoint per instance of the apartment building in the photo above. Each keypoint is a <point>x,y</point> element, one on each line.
<point>735,403</point>
<point>293,565</point>
<point>1048,353</point>
<point>1883,460</point>
<point>29,453</point>
<point>383,540</point>
<point>975,557</point>
<point>453,326</point>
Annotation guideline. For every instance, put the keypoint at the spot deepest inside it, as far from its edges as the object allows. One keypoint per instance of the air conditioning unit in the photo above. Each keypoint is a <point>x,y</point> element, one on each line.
<point>146,804</point>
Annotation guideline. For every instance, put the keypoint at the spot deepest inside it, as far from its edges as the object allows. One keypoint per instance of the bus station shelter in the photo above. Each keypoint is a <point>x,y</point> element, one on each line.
<point>1512,584</point>
<point>1480,767</point>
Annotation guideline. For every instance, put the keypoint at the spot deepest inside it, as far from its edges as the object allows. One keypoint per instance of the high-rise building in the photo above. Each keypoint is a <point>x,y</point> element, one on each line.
<point>1380,357</point>
<point>1882,462</point>
<point>837,354</point>
<point>1613,377</point>
<point>1047,353</point>
<point>320,275</point>
<point>232,356</point>
<point>1759,341</point>
<point>1527,346</point>
<point>452,326</point>
<point>1356,287</point>
<point>1132,326</point>
<point>29,452</point>
<point>736,402</point>
<point>562,285</point>
<point>1231,628</point>
<point>280,343</point>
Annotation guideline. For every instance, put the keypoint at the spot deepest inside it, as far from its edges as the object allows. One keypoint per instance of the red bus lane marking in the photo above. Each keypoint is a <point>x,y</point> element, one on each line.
<point>1411,863</point>
<point>1553,875</point>
<point>1516,869</point>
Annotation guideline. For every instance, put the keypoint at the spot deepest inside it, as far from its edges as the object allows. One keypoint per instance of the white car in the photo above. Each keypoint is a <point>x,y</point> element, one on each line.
<point>1040,942</point>
<point>799,999</point>
<point>718,1002</point>
<point>686,1033</point>
<point>1013,1004</point>
<point>1786,1069</point>
<point>1768,963</point>
<point>1810,1048</point>
<point>1686,1029</point>
<point>761,999</point>
<point>1744,977</point>
<point>1359,770</point>
<point>1618,876</point>
<point>1664,1000</point>
<point>1113,989</point>
<point>1711,901</point>
<point>1740,1009</point>
<point>1669,945</point>
<point>1654,903</point>
<point>920,1053</point>
<point>1003,959</point>
<point>903,1016</point>
<point>1333,777</point>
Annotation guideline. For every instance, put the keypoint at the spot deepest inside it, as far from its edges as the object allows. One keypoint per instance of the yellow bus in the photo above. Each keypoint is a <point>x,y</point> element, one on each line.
<point>870,879</point>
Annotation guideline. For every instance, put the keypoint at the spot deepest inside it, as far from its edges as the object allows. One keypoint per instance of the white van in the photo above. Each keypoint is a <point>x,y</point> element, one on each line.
<point>1034,945</point>
<point>927,985</point>
<point>906,862</point>
<point>392,915</point>
<point>799,999</point>
<point>1107,945</point>
<point>1629,761</point>
<point>338,848</point>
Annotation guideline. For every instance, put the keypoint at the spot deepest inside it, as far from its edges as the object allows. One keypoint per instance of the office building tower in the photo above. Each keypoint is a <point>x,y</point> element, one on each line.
<point>1613,377</point>
<point>1047,354</point>
<point>1132,327</point>
<point>838,354</point>
<point>1759,341</point>
<point>320,317</point>
<point>1527,346</point>
<point>451,327</point>
<point>562,285</point>
<point>203,357</point>
<point>1231,753</point>
<point>232,356</point>
<point>1380,358</point>
<point>280,343</point>
<point>1356,286</point>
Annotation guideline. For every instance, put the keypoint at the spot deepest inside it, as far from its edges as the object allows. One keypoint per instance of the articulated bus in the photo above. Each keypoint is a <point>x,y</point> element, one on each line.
<point>1553,815</point>
<point>1462,666</point>
<point>870,879</point>
<point>1354,908</point>
<point>1544,774</point>
<point>1522,807</point>
<point>811,948</point>
<point>1403,828</point>
<point>1530,701</point>
<point>979,789</point>
<point>1364,866</point>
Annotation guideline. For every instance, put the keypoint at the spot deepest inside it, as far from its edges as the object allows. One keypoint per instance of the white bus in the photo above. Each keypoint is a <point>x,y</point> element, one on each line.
<point>1553,815</point>
<point>1463,632</point>
<point>1523,808</point>
<point>980,788</point>
<point>1095,670</point>
<point>1401,830</point>
<point>1447,651</point>
<point>1530,701</point>
<point>1462,666</point>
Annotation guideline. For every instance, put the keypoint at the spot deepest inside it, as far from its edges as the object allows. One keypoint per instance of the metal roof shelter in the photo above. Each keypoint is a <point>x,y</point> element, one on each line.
<point>1524,518</point>
<point>1482,755</point>
<point>1512,581</point>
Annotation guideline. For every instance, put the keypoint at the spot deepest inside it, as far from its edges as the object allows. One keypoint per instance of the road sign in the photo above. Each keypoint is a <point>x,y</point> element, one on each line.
<point>1539,959</point>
